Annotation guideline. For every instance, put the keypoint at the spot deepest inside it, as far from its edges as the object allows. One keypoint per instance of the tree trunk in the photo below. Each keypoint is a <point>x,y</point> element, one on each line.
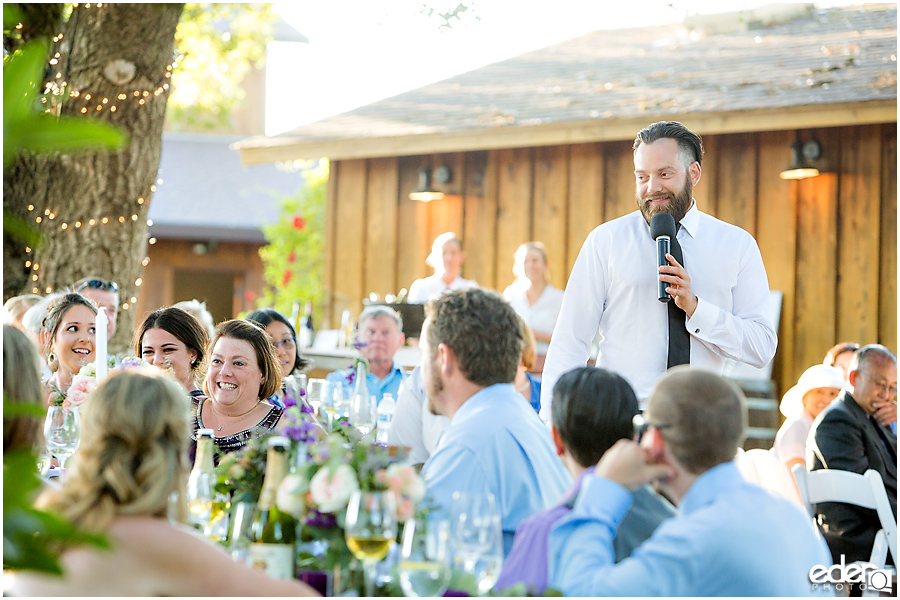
<point>91,209</point>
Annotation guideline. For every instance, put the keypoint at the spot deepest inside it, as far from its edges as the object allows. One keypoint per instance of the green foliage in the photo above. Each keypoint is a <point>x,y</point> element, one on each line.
<point>27,128</point>
<point>220,44</point>
<point>296,244</point>
<point>32,538</point>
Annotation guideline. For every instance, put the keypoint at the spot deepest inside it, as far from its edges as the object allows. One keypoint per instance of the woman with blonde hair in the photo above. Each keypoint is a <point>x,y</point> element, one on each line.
<point>21,385</point>
<point>533,297</point>
<point>446,258</point>
<point>132,457</point>
<point>526,383</point>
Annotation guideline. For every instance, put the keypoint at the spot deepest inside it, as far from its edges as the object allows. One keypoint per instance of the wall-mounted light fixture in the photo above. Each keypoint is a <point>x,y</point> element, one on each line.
<point>800,154</point>
<point>426,192</point>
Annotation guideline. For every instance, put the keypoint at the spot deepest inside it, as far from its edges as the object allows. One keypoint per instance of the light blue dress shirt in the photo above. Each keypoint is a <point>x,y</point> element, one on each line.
<point>496,443</point>
<point>377,387</point>
<point>732,538</point>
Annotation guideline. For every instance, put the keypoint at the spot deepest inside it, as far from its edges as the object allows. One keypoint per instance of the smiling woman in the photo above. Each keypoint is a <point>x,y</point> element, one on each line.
<point>243,370</point>
<point>69,328</point>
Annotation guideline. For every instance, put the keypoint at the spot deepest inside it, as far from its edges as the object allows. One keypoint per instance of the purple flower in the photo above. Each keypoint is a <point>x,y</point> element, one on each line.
<point>289,402</point>
<point>317,519</point>
<point>359,345</point>
<point>351,376</point>
<point>306,409</point>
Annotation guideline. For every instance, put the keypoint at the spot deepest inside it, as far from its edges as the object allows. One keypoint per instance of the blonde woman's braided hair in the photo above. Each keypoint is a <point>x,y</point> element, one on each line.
<point>135,432</point>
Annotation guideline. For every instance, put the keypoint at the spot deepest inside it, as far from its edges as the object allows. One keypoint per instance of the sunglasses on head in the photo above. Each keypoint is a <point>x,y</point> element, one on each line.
<point>99,284</point>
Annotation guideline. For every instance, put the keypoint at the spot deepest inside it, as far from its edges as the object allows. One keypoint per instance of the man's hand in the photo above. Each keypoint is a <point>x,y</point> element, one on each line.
<point>679,285</point>
<point>628,464</point>
<point>886,413</point>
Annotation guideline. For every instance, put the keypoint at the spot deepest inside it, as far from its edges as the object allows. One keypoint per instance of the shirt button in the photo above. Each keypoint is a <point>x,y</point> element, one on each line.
<point>696,331</point>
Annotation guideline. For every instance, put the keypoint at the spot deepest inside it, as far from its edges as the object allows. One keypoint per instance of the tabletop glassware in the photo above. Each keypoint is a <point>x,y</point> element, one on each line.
<point>314,394</point>
<point>425,557</point>
<point>293,384</point>
<point>62,432</point>
<point>331,399</point>
<point>239,533</point>
<point>370,528</point>
<point>472,524</point>
<point>488,566</point>
<point>363,413</point>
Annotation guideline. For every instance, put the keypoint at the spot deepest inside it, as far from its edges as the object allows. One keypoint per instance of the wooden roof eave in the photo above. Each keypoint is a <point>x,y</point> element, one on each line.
<point>260,150</point>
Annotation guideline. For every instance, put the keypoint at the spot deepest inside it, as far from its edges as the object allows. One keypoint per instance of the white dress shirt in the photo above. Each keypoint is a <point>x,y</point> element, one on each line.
<point>613,286</point>
<point>423,290</point>
<point>413,424</point>
<point>540,316</point>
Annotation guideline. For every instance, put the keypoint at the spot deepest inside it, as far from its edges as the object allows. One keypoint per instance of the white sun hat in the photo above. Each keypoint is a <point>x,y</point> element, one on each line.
<point>817,376</point>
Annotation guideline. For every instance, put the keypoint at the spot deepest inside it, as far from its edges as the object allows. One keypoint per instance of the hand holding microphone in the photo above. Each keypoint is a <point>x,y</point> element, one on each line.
<point>662,229</point>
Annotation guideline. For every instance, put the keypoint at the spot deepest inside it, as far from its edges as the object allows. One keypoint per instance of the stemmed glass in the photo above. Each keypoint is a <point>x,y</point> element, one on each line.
<point>369,529</point>
<point>425,557</point>
<point>363,413</point>
<point>331,397</point>
<point>314,393</point>
<point>474,526</point>
<point>62,432</point>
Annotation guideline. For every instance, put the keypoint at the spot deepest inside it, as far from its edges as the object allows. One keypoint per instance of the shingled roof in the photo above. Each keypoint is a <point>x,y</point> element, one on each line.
<point>825,67</point>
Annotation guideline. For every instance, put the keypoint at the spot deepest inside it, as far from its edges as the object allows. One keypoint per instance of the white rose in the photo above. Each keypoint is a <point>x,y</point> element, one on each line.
<point>404,480</point>
<point>331,489</point>
<point>290,495</point>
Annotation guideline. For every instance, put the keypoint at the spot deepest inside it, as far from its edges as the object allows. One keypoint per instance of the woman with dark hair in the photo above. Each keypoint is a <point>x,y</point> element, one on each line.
<point>839,356</point>
<point>243,372</point>
<point>130,461</point>
<point>173,340</point>
<point>284,339</point>
<point>69,342</point>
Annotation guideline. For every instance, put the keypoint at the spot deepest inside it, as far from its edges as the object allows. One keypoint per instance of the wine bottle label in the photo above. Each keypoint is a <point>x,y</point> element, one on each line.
<point>277,560</point>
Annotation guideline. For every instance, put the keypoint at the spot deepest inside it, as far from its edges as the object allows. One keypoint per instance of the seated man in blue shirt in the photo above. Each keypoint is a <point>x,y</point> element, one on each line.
<point>471,343</point>
<point>592,410</point>
<point>731,538</point>
<point>381,332</point>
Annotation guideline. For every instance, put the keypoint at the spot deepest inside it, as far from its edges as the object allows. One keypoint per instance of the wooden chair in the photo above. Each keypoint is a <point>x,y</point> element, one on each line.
<point>866,490</point>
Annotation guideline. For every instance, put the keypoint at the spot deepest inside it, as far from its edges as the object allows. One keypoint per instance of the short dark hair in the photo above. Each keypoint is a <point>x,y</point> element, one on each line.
<point>181,324</point>
<point>688,141</point>
<point>481,329</point>
<point>240,329</point>
<point>701,415</point>
<point>592,409</point>
<point>264,316</point>
<point>838,349</point>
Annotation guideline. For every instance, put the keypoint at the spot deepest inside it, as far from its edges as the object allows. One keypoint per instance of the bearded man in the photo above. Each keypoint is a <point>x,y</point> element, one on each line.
<point>719,305</point>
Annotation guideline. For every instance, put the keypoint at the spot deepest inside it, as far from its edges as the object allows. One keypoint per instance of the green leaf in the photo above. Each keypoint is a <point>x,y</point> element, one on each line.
<point>43,134</point>
<point>14,409</point>
<point>12,16</point>
<point>21,230</point>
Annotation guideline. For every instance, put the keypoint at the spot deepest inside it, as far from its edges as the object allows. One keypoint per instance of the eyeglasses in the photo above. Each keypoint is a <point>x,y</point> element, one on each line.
<point>642,424</point>
<point>287,343</point>
<point>881,385</point>
<point>99,284</point>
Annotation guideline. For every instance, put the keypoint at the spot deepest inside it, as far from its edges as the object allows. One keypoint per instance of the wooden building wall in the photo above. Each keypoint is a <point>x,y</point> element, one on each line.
<point>829,243</point>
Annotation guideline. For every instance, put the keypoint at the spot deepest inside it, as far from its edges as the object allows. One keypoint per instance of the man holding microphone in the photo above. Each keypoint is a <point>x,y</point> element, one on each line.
<point>714,276</point>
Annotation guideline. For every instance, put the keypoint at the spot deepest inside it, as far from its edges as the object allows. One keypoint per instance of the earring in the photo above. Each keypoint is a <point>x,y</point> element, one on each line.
<point>52,362</point>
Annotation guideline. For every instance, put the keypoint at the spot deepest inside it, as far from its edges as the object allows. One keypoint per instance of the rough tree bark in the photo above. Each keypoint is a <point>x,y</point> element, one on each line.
<point>105,53</point>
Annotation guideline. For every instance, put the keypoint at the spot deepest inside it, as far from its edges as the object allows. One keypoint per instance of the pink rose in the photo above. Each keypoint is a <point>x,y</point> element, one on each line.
<point>290,495</point>
<point>80,388</point>
<point>404,481</point>
<point>406,508</point>
<point>331,488</point>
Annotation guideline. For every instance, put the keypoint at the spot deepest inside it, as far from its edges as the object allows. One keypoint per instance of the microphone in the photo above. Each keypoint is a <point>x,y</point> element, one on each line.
<point>662,229</point>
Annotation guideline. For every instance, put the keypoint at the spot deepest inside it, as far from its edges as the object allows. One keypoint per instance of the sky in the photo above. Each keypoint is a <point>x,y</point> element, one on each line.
<point>361,51</point>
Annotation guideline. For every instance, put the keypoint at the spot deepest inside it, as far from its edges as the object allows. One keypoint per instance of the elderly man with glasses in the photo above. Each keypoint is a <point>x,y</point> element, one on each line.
<point>102,293</point>
<point>847,436</point>
<point>731,538</point>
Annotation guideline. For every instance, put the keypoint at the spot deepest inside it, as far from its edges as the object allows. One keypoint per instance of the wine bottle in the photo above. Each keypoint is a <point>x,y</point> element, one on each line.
<point>201,482</point>
<point>306,331</point>
<point>273,533</point>
<point>362,413</point>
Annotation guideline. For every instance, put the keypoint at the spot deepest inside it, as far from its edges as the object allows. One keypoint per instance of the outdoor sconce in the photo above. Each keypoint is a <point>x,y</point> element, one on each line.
<point>426,191</point>
<point>800,154</point>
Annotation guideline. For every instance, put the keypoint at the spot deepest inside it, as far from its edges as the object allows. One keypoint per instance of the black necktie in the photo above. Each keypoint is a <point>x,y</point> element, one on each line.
<point>679,338</point>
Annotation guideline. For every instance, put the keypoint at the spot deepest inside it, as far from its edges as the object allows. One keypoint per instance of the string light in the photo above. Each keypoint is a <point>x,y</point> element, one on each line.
<point>146,261</point>
<point>138,282</point>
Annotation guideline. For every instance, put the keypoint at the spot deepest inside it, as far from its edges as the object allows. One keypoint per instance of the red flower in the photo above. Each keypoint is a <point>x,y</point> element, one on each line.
<point>292,257</point>
<point>286,277</point>
<point>249,295</point>
<point>299,223</point>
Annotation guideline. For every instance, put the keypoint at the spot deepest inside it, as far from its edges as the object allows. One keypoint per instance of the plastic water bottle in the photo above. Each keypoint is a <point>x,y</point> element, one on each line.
<point>385,416</point>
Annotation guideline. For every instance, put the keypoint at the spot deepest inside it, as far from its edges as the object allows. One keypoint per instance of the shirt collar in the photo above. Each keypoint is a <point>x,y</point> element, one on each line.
<point>482,397</point>
<point>691,219</point>
<point>709,485</point>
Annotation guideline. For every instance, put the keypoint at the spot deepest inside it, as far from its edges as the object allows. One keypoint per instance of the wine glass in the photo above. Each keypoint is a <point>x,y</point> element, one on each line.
<point>314,393</point>
<point>369,529</point>
<point>62,430</point>
<point>292,386</point>
<point>488,566</point>
<point>332,396</point>
<point>472,518</point>
<point>363,413</point>
<point>239,534</point>
<point>425,557</point>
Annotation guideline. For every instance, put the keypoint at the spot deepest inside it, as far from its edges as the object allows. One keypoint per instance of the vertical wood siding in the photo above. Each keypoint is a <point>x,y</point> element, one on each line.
<point>828,243</point>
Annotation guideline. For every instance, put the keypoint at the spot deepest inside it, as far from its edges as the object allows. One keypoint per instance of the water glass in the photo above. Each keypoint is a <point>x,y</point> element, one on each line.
<point>425,557</point>
<point>62,432</point>
<point>332,399</point>
<point>293,384</point>
<point>474,529</point>
<point>239,534</point>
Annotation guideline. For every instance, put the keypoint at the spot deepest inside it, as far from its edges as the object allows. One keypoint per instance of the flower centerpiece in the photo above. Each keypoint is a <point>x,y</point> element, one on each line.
<point>85,381</point>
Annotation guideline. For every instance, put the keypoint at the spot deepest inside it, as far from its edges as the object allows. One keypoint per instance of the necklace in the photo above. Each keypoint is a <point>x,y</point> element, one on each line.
<point>524,386</point>
<point>241,417</point>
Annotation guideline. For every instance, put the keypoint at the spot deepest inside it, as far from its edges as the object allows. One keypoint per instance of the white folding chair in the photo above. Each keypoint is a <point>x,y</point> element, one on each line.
<point>762,468</point>
<point>866,490</point>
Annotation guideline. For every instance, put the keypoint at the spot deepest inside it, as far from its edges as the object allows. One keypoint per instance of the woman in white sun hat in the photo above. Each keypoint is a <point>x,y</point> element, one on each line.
<point>816,388</point>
